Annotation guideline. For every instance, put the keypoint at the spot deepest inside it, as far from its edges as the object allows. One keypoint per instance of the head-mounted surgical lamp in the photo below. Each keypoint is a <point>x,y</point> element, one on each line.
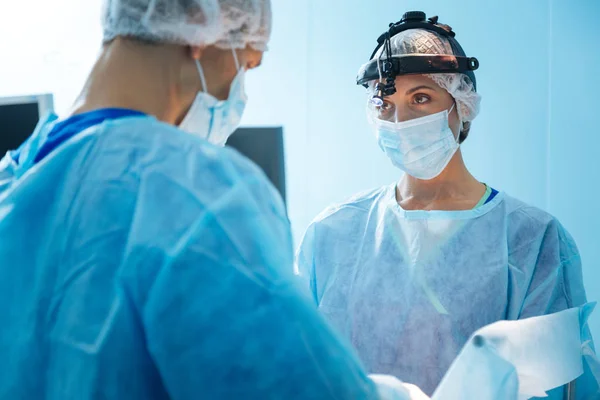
<point>387,67</point>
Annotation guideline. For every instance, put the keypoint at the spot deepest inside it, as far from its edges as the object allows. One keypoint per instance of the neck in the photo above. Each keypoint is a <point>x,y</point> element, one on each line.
<point>454,183</point>
<point>135,76</point>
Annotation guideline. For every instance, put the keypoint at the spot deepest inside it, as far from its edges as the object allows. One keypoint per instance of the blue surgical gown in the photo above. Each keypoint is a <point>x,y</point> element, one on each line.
<point>140,262</point>
<point>409,288</point>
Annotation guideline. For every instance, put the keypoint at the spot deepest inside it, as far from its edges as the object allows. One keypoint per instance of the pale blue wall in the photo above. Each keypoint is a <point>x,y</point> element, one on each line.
<point>574,134</point>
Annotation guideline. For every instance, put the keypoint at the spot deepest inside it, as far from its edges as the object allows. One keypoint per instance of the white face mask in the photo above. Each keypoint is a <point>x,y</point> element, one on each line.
<point>212,119</point>
<point>421,147</point>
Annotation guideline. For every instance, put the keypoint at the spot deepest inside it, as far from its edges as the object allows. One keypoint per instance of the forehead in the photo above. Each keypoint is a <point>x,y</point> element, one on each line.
<point>404,83</point>
<point>409,81</point>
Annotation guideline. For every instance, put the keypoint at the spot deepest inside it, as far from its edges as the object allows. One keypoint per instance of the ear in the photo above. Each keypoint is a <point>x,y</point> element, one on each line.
<point>196,52</point>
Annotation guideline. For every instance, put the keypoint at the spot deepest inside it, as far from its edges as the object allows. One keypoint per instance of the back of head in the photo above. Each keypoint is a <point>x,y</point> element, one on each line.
<point>221,23</point>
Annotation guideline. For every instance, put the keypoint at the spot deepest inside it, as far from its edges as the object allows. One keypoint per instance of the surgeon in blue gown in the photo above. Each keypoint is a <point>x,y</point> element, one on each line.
<point>140,259</point>
<point>409,271</point>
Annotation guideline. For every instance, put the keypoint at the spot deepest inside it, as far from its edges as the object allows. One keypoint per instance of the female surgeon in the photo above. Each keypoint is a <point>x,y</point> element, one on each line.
<point>409,271</point>
<point>140,258</point>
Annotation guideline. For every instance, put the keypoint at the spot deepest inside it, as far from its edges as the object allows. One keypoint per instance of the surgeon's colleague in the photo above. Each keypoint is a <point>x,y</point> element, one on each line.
<point>410,270</point>
<point>140,258</point>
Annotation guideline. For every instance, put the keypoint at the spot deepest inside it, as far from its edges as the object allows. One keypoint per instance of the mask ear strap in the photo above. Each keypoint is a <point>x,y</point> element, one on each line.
<point>201,73</point>
<point>460,126</point>
<point>235,58</point>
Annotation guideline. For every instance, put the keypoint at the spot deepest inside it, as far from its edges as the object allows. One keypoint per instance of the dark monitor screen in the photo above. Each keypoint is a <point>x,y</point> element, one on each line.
<point>264,146</point>
<point>19,117</point>
<point>17,122</point>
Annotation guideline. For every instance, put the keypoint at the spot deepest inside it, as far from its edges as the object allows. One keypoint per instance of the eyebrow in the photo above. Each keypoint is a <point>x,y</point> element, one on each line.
<point>411,91</point>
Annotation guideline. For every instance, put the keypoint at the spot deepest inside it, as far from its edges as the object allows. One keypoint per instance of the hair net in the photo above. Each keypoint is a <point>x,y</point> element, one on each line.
<point>223,23</point>
<point>420,41</point>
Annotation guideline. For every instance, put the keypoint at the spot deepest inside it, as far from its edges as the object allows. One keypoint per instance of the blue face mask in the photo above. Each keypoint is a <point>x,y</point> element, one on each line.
<point>421,147</point>
<point>212,119</point>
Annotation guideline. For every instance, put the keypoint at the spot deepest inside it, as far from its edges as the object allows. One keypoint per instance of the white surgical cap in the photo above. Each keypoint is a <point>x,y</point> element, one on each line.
<point>420,41</point>
<point>223,23</point>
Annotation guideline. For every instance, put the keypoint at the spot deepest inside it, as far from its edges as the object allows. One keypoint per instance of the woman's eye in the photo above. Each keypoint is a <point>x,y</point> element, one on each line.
<point>421,99</point>
<point>384,108</point>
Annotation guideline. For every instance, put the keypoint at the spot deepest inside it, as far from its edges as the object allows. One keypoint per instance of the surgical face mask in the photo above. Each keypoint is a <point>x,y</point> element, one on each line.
<point>212,119</point>
<point>421,147</point>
